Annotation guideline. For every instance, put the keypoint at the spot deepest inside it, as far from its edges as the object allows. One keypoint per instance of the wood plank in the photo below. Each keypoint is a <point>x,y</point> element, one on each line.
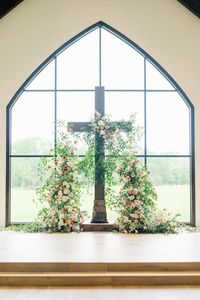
<point>100,279</point>
<point>97,267</point>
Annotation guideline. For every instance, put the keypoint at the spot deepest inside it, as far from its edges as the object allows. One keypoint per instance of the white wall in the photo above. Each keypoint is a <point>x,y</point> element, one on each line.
<point>36,28</point>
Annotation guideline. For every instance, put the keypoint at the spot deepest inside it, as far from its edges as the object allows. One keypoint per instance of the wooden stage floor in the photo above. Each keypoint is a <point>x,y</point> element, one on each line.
<point>98,247</point>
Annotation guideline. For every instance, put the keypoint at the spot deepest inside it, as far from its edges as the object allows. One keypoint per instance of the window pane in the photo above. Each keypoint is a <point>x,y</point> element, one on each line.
<point>75,106</point>
<point>155,80</point>
<point>167,124</point>
<point>77,66</point>
<point>121,105</point>
<point>171,177</point>
<point>122,66</point>
<point>33,123</point>
<point>24,180</point>
<point>45,80</point>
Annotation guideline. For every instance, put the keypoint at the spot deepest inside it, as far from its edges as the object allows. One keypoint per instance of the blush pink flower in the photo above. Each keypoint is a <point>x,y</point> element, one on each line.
<point>126,219</point>
<point>135,191</point>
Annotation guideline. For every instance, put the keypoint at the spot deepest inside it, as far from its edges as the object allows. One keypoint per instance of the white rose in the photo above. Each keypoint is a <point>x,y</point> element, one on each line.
<point>135,216</point>
<point>101,123</point>
<point>60,223</point>
<point>69,164</point>
<point>65,191</point>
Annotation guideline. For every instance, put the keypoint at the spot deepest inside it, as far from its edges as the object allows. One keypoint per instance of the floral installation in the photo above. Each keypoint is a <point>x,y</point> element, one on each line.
<point>60,193</point>
<point>106,128</point>
<point>137,203</point>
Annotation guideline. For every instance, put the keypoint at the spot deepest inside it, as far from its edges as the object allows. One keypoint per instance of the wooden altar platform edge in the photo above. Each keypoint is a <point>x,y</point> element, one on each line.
<point>99,259</point>
<point>99,274</point>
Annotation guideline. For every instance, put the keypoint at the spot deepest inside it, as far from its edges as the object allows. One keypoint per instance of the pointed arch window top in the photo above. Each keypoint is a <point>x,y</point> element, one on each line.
<point>99,56</point>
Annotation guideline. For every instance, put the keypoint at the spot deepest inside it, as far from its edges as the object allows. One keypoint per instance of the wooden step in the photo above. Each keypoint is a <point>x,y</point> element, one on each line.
<point>99,273</point>
<point>97,266</point>
<point>100,278</point>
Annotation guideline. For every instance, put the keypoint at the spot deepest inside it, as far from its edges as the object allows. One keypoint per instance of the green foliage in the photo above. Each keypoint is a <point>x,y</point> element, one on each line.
<point>31,227</point>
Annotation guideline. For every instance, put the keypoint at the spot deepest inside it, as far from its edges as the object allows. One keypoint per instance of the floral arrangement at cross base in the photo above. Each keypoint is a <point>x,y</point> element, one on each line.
<point>137,203</point>
<point>60,193</point>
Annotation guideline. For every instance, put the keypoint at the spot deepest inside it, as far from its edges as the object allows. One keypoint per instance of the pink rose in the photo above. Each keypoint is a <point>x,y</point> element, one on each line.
<point>126,220</point>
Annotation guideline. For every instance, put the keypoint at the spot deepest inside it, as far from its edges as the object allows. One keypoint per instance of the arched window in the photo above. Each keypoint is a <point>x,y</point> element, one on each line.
<point>63,87</point>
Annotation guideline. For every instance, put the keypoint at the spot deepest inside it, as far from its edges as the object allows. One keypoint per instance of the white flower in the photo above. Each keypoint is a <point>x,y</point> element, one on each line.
<point>60,223</point>
<point>69,164</point>
<point>61,217</point>
<point>66,191</point>
<point>101,123</point>
<point>102,132</point>
<point>106,118</point>
<point>135,216</point>
<point>64,199</point>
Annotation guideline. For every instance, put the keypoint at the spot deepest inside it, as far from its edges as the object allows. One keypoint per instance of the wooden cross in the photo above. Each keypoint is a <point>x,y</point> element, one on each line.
<point>99,209</point>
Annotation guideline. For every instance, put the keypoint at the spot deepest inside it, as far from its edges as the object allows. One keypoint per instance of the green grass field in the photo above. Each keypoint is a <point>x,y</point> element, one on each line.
<point>175,198</point>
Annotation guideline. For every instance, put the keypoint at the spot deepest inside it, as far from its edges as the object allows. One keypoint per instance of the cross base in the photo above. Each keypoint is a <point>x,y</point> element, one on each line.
<point>99,214</point>
<point>91,227</point>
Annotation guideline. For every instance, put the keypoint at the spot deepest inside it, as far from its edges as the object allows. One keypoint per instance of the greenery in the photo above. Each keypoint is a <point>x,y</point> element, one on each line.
<point>31,227</point>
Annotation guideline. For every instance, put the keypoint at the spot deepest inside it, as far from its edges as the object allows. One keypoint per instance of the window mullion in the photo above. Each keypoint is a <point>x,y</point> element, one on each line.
<point>145,116</point>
